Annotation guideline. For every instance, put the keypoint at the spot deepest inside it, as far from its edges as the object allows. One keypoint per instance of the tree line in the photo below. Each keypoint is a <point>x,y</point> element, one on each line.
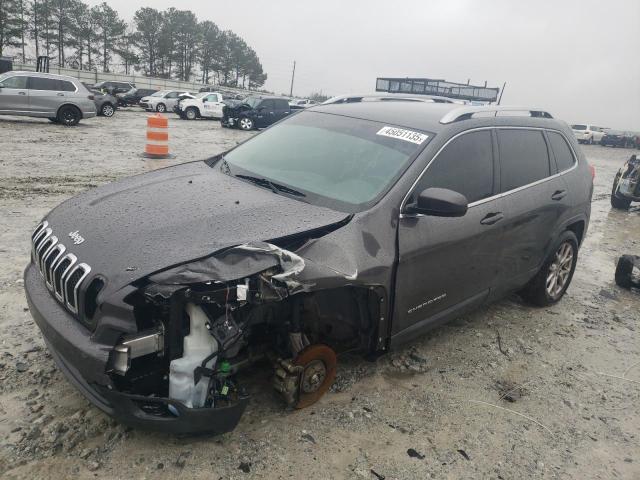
<point>167,44</point>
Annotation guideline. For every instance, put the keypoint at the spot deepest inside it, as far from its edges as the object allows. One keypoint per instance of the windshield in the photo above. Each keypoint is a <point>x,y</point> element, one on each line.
<point>4,75</point>
<point>161,93</point>
<point>201,94</point>
<point>251,101</point>
<point>579,127</point>
<point>343,163</point>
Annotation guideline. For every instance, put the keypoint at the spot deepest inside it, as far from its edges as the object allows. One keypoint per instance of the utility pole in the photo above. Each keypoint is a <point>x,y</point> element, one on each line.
<point>293,74</point>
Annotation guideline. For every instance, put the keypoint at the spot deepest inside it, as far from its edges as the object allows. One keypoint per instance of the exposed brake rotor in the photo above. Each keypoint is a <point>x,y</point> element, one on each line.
<point>318,374</point>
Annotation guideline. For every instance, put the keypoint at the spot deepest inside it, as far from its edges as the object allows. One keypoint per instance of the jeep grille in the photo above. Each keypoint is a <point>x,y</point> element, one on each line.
<point>63,274</point>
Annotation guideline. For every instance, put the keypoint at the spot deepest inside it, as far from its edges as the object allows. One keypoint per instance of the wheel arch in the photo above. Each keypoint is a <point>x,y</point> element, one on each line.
<point>578,227</point>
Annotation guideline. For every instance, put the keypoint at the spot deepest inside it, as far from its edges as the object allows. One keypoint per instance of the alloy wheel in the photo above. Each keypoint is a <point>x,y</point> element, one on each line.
<point>108,111</point>
<point>246,124</point>
<point>560,270</point>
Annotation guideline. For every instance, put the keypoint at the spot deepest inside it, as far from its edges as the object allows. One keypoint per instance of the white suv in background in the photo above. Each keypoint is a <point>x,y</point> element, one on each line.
<point>588,133</point>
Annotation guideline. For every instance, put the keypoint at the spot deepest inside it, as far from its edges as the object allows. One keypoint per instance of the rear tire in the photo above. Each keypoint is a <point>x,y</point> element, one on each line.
<point>107,110</point>
<point>161,108</point>
<point>69,116</point>
<point>551,282</point>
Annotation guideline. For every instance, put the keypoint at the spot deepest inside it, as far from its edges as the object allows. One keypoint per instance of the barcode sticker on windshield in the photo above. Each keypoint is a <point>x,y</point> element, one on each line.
<point>402,134</point>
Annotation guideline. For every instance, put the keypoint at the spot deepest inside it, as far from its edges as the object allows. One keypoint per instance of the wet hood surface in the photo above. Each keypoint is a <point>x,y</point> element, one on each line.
<point>149,222</point>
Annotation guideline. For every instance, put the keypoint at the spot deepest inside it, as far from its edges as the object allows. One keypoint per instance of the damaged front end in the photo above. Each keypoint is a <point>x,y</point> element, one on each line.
<point>628,180</point>
<point>200,324</point>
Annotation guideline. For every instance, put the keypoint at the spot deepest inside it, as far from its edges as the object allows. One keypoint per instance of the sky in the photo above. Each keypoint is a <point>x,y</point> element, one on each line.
<point>576,59</point>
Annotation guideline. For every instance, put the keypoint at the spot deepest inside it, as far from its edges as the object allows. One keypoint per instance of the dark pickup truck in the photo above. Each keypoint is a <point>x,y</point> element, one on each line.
<point>255,112</point>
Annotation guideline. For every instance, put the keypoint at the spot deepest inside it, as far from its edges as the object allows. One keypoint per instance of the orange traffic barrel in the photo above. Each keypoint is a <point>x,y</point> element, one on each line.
<point>157,137</point>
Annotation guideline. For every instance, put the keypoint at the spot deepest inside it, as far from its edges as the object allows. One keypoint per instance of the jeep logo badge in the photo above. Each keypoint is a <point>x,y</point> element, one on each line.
<point>76,237</point>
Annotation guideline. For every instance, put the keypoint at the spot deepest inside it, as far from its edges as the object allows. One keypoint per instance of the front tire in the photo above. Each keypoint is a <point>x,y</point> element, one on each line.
<point>551,282</point>
<point>69,116</point>
<point>161,108</point>
<point>245,123</point>
<point>191,113</point>
<point>107,110</point>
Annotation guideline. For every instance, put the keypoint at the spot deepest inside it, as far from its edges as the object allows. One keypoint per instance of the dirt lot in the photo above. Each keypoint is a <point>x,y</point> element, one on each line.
<point>569,375</point>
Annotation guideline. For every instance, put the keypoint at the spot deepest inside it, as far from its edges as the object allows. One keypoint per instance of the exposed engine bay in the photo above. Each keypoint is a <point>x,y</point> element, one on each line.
<point>195,336</point>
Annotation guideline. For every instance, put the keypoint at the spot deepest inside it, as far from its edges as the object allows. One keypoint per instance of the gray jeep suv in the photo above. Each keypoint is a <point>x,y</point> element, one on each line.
<point>59,98</point>
<point>344,227</point>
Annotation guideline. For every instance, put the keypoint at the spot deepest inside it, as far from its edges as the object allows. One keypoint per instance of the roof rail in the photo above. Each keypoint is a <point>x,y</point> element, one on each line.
<point>466,113</point>
<point>382,97</point>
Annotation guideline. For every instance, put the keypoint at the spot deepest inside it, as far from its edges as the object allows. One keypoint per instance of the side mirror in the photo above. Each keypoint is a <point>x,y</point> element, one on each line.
<point>439,202</point>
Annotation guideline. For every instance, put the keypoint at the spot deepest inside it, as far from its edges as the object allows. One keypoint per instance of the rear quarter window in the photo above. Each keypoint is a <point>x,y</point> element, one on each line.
<point>524,157</point>
<point>67,86</point>
<point>561,150</point>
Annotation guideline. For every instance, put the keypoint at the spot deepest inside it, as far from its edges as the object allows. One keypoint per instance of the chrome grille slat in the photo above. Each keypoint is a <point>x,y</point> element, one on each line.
<point>74,294</point>
<point>63,274</point>
<point>57,254</point>
<point>51,242</point>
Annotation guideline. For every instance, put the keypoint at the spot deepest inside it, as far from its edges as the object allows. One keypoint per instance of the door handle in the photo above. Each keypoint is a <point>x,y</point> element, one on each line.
<point>22,93</point>
<point>558,195</point>
<point>61,94</point>
<point>492,218</point>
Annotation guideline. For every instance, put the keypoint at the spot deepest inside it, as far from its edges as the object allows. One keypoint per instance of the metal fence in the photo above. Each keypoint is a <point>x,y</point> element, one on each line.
<point>140,81</point>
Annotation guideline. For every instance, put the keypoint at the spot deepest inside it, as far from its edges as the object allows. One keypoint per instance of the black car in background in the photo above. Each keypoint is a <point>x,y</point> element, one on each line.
<point>134,95</point>
<point>114,87</point>
<point>618,138</point>
<point>255,112</point>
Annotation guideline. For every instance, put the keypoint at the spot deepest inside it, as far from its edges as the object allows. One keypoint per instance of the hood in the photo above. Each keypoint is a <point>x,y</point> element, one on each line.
<point>234,106</point>
<point>142,224</point>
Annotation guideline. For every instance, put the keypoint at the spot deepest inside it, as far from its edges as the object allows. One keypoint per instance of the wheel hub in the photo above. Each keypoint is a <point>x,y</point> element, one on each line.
<point>559,270</point>
<point>313,376</point>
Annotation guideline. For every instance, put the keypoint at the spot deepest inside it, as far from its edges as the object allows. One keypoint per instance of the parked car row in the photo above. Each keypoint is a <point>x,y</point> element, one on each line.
<point>591,134</point>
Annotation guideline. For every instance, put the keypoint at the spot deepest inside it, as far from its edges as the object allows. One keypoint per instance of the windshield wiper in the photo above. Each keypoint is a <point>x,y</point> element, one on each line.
<point>275,187</point>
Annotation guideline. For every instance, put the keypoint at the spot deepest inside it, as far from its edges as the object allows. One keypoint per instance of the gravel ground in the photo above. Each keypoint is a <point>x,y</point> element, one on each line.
<point>507,392</point>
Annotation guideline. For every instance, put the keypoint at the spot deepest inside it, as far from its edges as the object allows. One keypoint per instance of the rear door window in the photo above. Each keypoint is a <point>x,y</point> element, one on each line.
<point>267,105</point>
<point>524,157</point>
<point>464,166</point>
<point>39,83</point>
<point>18,82</point>
<point>281,105</point>
<point>561,150</point>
